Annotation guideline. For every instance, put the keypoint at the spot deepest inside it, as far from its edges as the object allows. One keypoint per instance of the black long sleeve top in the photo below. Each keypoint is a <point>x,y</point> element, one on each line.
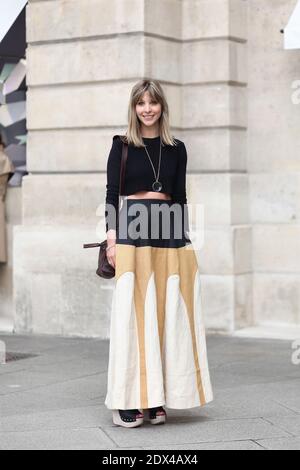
<point>139,174</point>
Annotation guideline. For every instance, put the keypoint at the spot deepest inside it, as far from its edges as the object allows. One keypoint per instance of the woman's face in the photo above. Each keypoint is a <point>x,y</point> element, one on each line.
<point>148,110</point>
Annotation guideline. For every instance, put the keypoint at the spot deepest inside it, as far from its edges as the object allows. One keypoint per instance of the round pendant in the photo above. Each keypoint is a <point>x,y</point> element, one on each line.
<point>156,186</point>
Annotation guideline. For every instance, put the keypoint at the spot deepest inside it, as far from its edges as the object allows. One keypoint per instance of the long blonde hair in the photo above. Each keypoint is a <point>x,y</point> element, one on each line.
<point>133,133</point>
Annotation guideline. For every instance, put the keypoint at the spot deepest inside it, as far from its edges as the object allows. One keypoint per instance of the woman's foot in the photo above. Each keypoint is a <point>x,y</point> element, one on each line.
<point>157,415</point>
<point>128,418</point>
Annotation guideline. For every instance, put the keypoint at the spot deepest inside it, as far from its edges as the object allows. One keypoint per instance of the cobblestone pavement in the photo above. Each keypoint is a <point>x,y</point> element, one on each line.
<point>54,399</point>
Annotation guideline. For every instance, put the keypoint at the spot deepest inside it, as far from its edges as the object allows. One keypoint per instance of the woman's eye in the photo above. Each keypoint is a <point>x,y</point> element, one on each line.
<point>152,102</point>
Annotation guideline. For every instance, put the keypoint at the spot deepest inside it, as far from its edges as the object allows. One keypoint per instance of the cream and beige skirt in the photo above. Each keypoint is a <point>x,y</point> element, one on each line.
<point>157,351</point>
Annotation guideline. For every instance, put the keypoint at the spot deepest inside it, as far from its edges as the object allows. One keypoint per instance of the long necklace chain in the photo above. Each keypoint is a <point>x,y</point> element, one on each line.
<point>159,186</point>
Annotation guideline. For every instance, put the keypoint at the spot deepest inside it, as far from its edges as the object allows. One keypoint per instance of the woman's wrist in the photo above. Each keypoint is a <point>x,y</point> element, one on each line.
<point>111,235</point>
<point>110,246</point>
<point>111,238</point>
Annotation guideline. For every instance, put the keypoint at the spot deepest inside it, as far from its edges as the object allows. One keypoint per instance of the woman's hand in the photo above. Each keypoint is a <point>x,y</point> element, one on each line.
<point>111,255</point>
<point>111,252</point>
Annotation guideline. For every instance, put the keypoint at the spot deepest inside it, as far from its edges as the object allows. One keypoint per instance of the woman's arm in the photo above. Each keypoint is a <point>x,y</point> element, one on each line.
<point>112,187</point>
<point>179,193</point>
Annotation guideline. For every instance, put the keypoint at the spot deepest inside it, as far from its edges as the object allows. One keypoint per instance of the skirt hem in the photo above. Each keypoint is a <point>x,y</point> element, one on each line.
<point>165,404</point>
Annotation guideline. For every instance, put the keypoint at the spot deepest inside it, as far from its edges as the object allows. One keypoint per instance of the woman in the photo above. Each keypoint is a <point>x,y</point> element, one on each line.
<point>157,353</point>
<point>6,172</point>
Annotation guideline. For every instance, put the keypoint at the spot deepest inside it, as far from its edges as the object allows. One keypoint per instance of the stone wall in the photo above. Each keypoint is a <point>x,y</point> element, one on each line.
<point>83,59</point>
<point>274,164</point>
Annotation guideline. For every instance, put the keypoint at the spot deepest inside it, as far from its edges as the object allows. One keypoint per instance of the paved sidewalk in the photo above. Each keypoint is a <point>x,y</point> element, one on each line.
<point>56,399</point>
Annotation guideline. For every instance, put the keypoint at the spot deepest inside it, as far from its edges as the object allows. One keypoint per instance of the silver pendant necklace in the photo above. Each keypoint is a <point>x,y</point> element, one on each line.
<point>156,185</point>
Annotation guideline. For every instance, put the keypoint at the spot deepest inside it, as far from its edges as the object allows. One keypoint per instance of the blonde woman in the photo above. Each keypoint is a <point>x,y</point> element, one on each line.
<point>157,352</point>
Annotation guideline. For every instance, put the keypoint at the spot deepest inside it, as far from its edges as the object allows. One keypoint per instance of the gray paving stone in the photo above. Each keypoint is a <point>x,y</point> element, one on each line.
<point>81,417</point>
<point>34,376</point>
<point>233,445</point>
<point>192,432</point>
<point>35,342</point>
<point>290,424</point>
<point>87,386</point>
<point>35,401</point>
<point>283,392</point>
<point>54,350</point>
<point>236,404</point>
<point>57,399</point>
<point>280,444</point>
<point>58,439</point>
<point>41,400</point>
<point>289,396</point>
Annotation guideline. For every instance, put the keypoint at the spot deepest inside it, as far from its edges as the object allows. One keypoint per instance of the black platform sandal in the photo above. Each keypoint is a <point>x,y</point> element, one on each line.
<point>128,418</point>
<point>157,415</point>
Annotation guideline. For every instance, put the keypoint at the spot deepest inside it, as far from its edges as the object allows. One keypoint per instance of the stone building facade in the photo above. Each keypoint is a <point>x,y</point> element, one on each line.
<point>229,84</point>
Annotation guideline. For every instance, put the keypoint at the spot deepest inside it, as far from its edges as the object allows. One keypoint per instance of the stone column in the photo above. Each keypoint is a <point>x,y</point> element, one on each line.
<point>214,122</point>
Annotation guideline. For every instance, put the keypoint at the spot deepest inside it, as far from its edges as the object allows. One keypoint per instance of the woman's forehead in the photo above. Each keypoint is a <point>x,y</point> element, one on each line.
<point>147,94</point>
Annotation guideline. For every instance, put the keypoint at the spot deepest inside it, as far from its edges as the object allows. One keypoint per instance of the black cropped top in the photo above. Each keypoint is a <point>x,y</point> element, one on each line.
<point>139,175</point>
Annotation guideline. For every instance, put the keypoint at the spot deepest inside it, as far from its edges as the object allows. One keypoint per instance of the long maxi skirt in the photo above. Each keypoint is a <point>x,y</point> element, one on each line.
<point>157,351</point>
